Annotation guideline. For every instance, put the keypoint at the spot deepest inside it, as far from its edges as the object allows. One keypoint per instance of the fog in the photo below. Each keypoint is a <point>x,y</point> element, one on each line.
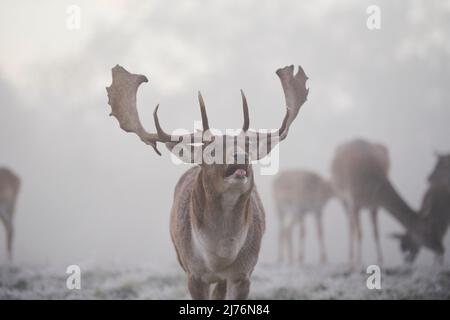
<point>91,192</point>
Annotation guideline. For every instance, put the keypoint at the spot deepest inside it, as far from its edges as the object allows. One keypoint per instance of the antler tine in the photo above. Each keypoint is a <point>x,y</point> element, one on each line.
<point>203,112</point>
<point>245,108</point>
<point>162,135</point>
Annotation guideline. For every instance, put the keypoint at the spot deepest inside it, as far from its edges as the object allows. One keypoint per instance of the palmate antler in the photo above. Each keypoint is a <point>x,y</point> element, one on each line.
<point>295,94</point>
<point>122,99</point>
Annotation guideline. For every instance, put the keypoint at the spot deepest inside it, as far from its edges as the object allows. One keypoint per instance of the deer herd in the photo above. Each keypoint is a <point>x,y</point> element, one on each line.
<point>217,219</point>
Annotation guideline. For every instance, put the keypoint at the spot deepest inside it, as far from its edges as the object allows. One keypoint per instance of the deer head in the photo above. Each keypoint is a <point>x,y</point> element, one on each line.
<point>408,246</point>
<point>225,159</point>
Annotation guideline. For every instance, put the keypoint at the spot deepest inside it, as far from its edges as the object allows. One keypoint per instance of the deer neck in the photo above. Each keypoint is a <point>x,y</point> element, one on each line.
<point>435,208</point>
<point>390,200</point>
<point>421,230</point>
<point>210,208</point>
<point>220,222</point>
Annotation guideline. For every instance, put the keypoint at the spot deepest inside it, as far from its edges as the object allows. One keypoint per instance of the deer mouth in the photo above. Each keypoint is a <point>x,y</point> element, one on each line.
<point>237,170</point>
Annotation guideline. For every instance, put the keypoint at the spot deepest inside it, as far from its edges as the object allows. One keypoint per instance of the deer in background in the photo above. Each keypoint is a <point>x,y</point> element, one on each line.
<point>360,180</point>
<point>296,193</point>
<point>217,218</point>
<point>9,189</point>
<point>354,168</point>
<point>434,212</point>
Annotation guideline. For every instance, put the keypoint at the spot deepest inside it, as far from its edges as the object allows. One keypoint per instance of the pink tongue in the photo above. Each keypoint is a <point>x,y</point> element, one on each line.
<point>240,173</point>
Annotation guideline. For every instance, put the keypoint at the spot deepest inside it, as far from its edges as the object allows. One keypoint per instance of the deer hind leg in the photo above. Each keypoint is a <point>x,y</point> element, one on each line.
<point>289,244</point>
<point>285,235</point>
<point>323,253</point>
<point>282,225</point>
<point>198,289</point>
<point>9,242</point>
<point>301,253</point>
<point>358,238</point>
<point>281,240</point>
<point>376,234</point>
<point>351,231</point>
<point>355,235</point>
<point>238,289</point>
<point>9,233</point>
<point>220,290</point>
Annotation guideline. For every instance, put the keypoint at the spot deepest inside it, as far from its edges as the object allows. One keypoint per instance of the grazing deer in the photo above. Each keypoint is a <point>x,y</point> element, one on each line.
<point>434,213</point>
<point>296,193</point>
<point>217,218</point>
<point>9,189</point>
<point>360,179</point>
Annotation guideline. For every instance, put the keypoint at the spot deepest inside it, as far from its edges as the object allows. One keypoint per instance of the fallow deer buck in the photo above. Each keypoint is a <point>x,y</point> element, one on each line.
<point>9,189</point>
<point>297,193</point>
<point>360,180</point>
<point>434,212</point>
<point>217,218</point>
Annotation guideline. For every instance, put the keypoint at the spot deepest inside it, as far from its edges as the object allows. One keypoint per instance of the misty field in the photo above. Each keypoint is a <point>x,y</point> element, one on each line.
<point>268,282</point>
